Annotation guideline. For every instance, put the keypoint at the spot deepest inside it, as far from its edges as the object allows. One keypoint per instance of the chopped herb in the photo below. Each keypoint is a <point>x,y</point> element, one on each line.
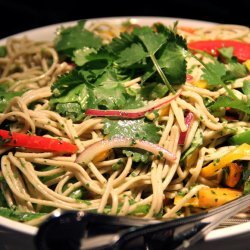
<point>118,165</point>
<point>141,209</point>
<point>181,193</point>
<point>3,51</point>
<point>196,143</point>
<point>19,216</point>
<point>133,174</point>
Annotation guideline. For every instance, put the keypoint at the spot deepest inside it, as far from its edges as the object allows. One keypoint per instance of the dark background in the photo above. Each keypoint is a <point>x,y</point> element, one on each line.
<point>20,15</point>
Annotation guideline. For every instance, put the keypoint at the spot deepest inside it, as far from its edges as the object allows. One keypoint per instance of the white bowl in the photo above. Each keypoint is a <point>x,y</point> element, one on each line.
<point>48,33</point>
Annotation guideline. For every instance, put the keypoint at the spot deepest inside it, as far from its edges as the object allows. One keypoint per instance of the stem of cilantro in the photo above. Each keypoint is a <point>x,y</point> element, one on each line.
<point>161,73</point>
<point>229,91</point>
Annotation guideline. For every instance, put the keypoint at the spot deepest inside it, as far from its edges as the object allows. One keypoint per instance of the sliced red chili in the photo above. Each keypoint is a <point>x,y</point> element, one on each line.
<point>36,142</point>
<point>241,49</point>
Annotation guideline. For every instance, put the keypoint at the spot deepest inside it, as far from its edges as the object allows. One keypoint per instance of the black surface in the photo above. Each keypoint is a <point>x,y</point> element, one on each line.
<point>20,15</point>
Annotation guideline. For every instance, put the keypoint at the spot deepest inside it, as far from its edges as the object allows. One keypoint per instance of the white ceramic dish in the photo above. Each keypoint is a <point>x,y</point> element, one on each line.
<point>48,33</point>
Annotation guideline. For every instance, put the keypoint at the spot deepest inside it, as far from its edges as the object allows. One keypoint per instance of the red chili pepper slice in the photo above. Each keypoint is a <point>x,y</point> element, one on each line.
<point>241,49</point>
<point>36,142</point>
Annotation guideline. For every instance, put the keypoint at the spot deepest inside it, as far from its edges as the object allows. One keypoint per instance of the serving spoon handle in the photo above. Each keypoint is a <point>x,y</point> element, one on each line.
<point>87,231</point>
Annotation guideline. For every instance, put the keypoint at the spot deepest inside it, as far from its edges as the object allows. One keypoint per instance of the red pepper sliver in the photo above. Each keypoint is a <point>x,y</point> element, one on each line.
<point>36,142</point>
<point>241,49</point>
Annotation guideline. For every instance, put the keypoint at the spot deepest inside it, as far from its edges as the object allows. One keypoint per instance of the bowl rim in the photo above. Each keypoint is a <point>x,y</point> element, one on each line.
<point>48,32</point>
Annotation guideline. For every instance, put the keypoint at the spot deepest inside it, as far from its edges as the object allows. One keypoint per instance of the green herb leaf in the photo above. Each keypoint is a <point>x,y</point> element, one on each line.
<point>196,143</point>
<point>19,216</point>
<point>225,101</point>
<point>131,55</point>
<point>141,209</point>
<point>73,104</point>
<point>152,40</point>
<point>110,96</point>
<point>234,71</point>
<point>50,177</point>
<point>80,56</point>
<point>6,96</point>
<point>79,194</point>
<point>119,44</point>
<point>76,37</point>
<point>171,58</point>
<point>246,90</point>
<point>213,72</point>
<point>134,129</point>
<point>152,91</point>
<point>246,188</point>
<point>226,53</point>
<point>66,82</point>
<point>3,202</point>
<point>3,51</point>
<point>138,155</point>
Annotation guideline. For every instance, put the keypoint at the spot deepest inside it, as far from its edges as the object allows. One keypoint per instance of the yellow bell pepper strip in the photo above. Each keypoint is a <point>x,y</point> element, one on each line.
<point>201,84</point>
<point>194,201</point>
<point>210,197</point>
<point>102,156</point>
<point>237,154</point>
<point>234,174</point>
<point>214,197</point>
<point>247,64</point>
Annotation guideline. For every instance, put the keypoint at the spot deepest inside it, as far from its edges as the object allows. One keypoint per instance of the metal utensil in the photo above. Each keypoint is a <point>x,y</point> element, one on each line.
<point>87,231</point>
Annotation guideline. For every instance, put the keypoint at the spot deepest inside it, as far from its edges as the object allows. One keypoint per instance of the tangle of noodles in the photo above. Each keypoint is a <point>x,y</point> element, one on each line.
<point>35,180</point>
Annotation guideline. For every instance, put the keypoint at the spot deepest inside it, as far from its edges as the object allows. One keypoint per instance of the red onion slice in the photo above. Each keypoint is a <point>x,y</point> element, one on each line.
<point>188,120</point>
<point>95,149</point>
<point>133,113</point>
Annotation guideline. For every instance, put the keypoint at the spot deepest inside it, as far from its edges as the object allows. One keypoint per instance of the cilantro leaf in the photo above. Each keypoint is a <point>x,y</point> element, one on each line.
<point>6,96</point>
<point>152,40</point>
<point>225,101</point>
<point>213,72</point>
<point>171,58</point>
<point>80,55</point>
<point>131,55</point>
<point>76,37</point>
<point>73,104</point>
<point>110,96</point>
<point>73,94</point>
<point>226,53</point>
<point>234,71</point>
<point>246,90</point>
<point>153,91</point>
<point>135,129</point>
<point>66,82</point>
<point>119,44</point>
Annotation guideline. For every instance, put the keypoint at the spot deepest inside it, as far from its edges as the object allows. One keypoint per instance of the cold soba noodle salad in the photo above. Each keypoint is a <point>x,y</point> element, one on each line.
<point>125,120</point>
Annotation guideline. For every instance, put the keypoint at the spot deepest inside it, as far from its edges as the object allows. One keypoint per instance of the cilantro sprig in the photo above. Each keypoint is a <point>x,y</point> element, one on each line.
<point>218,74</point>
